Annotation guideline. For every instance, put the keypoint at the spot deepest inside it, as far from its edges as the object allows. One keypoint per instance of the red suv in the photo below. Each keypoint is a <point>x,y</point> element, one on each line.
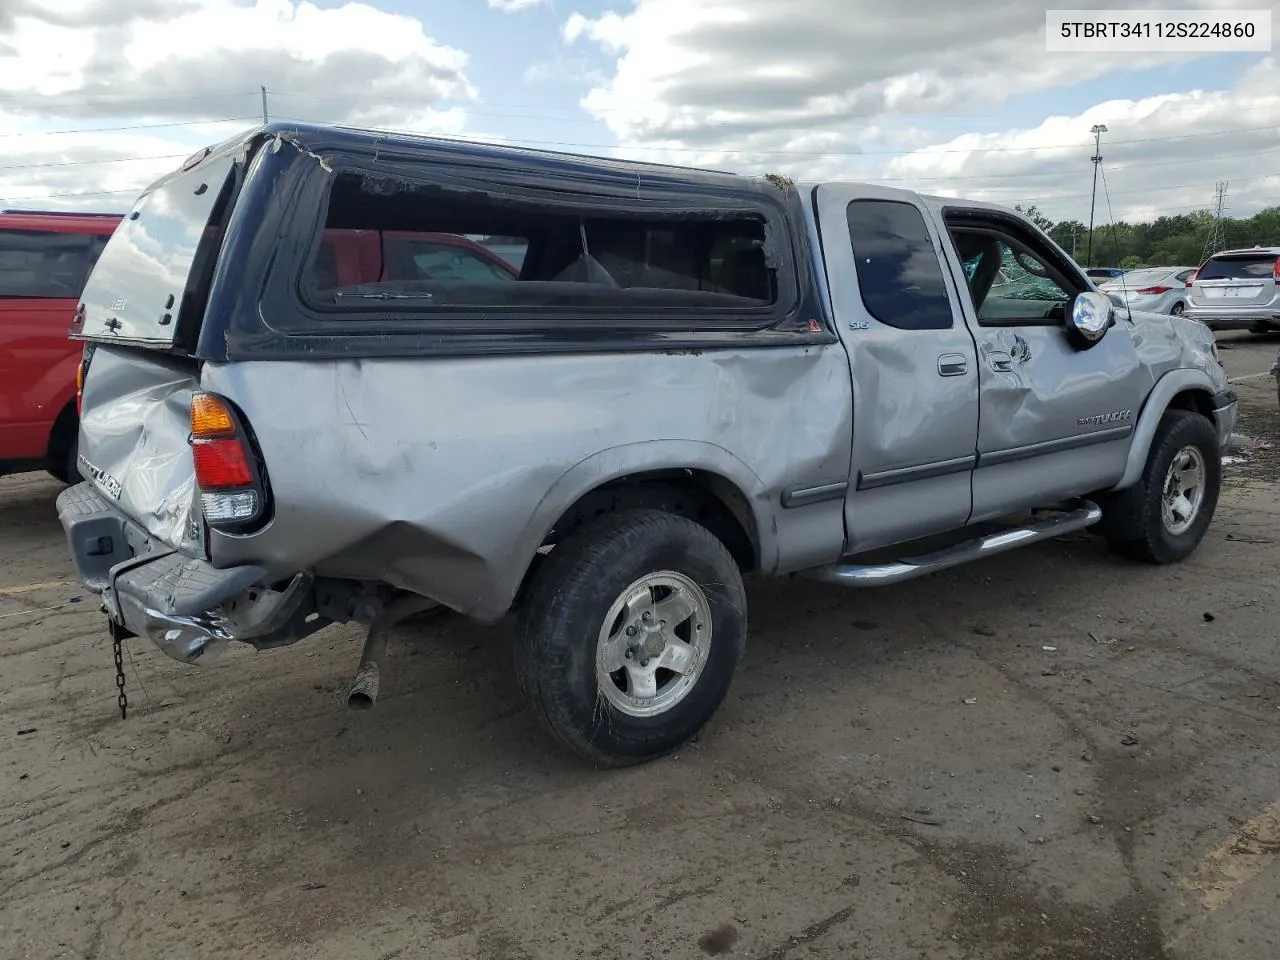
<point>44,260</point>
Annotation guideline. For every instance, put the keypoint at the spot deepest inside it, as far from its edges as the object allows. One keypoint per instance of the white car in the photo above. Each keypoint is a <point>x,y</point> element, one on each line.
<point>1151,289</point>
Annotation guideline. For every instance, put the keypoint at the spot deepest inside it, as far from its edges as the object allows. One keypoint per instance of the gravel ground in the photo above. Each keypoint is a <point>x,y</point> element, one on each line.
<point>1051,754</point>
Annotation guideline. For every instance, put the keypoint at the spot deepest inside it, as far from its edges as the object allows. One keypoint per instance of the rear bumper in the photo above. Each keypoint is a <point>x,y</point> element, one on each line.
<point>1234,318</point>
<point>1225,407</point>
<point>184,605</point>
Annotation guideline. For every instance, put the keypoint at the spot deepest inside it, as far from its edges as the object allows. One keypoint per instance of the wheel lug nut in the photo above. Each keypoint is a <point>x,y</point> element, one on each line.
<point>631,631</point>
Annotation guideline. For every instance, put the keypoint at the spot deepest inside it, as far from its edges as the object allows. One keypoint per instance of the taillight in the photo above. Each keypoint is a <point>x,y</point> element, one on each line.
<point>1275,271</point>
<point>232,489</point>
<point>1192,278</point>
<point>1152,291</point>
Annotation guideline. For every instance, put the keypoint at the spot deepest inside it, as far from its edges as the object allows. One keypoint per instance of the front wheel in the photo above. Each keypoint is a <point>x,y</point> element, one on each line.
<point>1163,517</point>
<point>631,635</point>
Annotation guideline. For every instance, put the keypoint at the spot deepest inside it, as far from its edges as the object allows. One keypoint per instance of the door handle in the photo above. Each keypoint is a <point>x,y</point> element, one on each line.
<point>952,365</point>
<point>1001,362</point>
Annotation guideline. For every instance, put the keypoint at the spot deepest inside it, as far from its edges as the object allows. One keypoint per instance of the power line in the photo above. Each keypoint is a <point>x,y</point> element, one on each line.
<point>666,149</point>
<point>82,163</point>
<point>907,179</point>
<point>136,126</point>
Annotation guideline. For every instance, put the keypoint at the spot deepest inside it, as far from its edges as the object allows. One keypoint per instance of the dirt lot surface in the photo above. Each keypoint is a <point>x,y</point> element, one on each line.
<point>1052,754</point>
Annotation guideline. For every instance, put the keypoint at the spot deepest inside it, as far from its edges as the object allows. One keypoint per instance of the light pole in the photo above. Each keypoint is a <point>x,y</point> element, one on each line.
<point>1098,129</point>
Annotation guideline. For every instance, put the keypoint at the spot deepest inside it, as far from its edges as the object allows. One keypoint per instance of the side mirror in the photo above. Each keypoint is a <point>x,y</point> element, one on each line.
<point>1092,314</point>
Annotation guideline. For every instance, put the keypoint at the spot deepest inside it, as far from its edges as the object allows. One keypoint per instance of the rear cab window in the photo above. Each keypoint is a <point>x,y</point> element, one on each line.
<point>414,251</point>
<point>145,287</point>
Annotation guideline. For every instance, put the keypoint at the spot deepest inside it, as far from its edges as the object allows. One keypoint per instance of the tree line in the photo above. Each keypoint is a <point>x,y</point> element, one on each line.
<point>1177,241</point>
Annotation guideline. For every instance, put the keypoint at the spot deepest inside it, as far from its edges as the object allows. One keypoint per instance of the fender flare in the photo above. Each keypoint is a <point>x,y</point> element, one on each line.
<point>1157,402</point>
<point>645,456</point>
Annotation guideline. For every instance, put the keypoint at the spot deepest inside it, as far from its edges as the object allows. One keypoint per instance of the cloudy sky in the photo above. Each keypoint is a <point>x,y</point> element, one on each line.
<point>97,97</point>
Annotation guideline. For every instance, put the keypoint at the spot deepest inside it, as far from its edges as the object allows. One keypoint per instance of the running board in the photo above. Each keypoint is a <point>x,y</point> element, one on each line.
<point>1082,514</point>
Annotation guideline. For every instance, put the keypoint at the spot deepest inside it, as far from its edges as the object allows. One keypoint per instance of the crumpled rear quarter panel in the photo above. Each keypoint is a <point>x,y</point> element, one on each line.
<point>442,476</point>
<point>134,427</point>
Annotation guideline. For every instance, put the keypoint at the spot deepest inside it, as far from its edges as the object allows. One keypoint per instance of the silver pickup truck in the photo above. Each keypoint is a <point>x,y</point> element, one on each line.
<point>341,376</point>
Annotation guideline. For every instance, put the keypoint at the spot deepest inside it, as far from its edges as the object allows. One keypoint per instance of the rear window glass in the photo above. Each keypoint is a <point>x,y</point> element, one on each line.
<point>1260,267</point>
<point>1142,278</point>
<point>422,248</point>
<point>139,288</point>
<point>44,265</point>
<point>898,269</point>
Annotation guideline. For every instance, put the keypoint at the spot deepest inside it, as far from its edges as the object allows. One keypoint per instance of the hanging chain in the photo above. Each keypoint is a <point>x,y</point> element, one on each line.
<point>117,648</point>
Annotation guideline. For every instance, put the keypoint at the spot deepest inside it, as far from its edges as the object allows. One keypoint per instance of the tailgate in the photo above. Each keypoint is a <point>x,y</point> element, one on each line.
<point>140,316</point>
<point>1239,280</point>
<point>133,440</point>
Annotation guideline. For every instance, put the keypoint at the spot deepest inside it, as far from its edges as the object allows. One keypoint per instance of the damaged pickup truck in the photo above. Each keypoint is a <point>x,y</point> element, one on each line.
<point>341,376</point>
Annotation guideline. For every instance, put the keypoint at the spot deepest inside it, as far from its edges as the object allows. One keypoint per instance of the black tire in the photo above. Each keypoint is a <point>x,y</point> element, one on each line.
<point>1177,309</point>
<point>65,465</point>
<point>561,620</point>
<point>1133,519</point>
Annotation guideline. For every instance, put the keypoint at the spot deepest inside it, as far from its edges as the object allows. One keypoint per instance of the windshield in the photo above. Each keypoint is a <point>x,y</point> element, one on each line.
<point>136,290</point>
<point>1252,267</point>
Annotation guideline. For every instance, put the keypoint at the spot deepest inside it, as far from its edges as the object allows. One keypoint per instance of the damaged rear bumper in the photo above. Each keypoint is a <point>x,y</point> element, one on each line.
<point>184,605</point>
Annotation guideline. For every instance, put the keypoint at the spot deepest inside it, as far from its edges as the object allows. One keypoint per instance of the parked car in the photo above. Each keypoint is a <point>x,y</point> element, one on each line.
<point>1153,289</point>
<point>1237,290</point>
<point>1104,273</point>
<point>44,259</point>
<point>684,387</point>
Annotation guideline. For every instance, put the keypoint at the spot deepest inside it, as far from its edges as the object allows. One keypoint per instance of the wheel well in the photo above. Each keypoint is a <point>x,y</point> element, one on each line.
<point>1194,401</point>
<point>704,497</point>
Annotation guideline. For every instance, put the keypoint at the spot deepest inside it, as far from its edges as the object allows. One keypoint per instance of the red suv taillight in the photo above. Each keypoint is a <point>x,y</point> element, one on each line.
<point>1192,279</point>
<point>1275,271</point>
<point>228,472</point>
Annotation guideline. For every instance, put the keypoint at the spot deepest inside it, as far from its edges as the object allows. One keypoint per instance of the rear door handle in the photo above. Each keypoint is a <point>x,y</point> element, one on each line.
<point>952,365</point>
<point>1001,362</point>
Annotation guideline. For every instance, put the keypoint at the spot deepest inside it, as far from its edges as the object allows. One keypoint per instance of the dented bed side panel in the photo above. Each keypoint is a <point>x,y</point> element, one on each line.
<point>444,476</point>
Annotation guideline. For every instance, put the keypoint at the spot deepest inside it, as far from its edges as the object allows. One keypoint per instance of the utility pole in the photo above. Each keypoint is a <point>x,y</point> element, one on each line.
<point>1217,239</point>
<point>1097,130</point>
<point>263,88</point>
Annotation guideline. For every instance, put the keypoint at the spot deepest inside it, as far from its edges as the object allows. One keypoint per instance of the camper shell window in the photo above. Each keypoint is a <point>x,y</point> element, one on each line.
<point>423,251</point>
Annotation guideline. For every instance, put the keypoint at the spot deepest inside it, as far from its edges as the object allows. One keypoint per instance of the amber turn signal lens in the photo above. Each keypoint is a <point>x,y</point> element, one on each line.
<point>210,416</point>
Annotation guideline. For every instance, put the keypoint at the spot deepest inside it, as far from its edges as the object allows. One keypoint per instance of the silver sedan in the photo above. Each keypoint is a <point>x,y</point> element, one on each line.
<point>1151,289</point>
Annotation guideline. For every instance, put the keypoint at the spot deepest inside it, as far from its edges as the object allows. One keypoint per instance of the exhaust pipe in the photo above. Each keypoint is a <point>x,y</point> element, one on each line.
<point>364,689</point>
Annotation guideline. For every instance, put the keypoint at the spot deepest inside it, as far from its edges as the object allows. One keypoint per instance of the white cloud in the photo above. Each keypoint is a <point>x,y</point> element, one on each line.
<point>192,59</point>
<point>803,88</point>
<point>176,66</point>
<point>515,6</point>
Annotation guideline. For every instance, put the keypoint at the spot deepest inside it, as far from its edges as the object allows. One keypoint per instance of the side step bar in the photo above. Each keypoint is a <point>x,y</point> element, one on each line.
<point>1077,516</point>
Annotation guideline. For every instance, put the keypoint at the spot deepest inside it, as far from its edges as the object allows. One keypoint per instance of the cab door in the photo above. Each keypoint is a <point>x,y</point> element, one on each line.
<point>1057,418</point>
<point>912,361</point>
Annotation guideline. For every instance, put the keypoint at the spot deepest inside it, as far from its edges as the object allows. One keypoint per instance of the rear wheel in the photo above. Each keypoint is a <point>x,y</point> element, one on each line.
<point>630,637</point>
<point>64,465</point>
<point>1177,309</point>
<point>1163,517</point>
